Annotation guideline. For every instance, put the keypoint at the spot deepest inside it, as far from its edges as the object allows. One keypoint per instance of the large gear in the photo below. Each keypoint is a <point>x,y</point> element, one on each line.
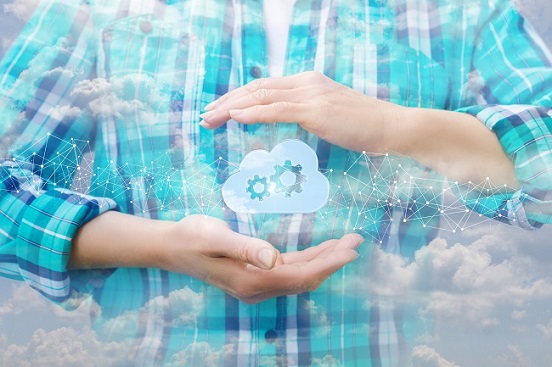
<point>288,189</point>
<point>258,194</point>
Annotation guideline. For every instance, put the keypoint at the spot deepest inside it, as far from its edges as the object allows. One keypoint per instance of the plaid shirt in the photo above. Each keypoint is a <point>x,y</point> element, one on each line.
<point>99,111</point>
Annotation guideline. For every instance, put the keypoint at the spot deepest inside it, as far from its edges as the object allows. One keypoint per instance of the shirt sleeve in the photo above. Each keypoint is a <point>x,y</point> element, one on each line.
<point>515,69</point>
<point>46,131</point>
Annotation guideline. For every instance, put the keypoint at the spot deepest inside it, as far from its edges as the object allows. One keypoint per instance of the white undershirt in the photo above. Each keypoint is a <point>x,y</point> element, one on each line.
<point>277,18</point>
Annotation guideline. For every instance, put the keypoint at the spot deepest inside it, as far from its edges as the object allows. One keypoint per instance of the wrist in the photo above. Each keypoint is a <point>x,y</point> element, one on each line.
<point>157,243</point>
<point>114,240</point>
<point>178,244</point>
<point>398,130</point>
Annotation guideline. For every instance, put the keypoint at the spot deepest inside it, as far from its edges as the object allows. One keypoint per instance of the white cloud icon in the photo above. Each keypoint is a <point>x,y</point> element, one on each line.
<point>285,180</point>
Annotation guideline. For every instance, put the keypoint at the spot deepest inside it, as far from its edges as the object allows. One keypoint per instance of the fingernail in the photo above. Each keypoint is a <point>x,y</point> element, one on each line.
<point>235,113</point>
<point>211,105</point>
<point>355,242</point>
<point>266,258</point>
<point>204,124</point>
<point>207,115</point>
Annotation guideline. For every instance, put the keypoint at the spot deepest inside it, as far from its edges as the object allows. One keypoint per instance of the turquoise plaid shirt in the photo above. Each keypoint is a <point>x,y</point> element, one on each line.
<point>99,110</point>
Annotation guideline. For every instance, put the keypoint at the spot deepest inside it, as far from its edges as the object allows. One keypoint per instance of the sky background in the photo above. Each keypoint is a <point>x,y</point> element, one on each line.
<point>491,301</point>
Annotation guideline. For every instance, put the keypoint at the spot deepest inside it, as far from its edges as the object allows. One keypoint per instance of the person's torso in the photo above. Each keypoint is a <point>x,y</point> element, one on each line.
<point>164,62</point>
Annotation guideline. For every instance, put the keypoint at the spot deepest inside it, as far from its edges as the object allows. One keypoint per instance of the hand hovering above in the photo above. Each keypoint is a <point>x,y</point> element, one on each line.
<point>320,105</point>
<point>454,144</point>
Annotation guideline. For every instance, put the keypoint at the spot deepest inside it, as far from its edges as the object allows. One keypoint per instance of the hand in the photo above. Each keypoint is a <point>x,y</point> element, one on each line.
<point>330,110</point>
<point>247,268</point>
<point>465,150</point>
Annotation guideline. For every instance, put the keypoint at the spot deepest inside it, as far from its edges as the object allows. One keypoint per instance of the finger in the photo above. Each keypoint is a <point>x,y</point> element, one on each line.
<point>249,250</point>
<point>309,253</point>
<point>275,112</point>
<point>332,257</point>
<point>295,278</point>
<point>315,271</point>
<point>308,78</point>
<point>284,82</point>
<point>279,259</point>
<point>352,241</point>
<point>252,284</point>
<point>221,115</point>
<point>312,272</point>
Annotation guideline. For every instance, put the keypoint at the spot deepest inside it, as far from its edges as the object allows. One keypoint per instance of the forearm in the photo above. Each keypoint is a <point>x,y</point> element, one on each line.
<point>114,240</point>
<point>454,144</point>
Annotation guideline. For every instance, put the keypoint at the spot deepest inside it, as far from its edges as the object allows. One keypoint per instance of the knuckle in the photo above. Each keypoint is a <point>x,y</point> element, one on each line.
<point>256,84</point>
<point>242,251</point>
<point>261,94</point>
<point>280,106</point>
<point>316,76</point>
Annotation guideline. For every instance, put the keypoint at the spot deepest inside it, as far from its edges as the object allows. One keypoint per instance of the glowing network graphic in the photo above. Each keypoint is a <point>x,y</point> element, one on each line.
<point>370,191</point>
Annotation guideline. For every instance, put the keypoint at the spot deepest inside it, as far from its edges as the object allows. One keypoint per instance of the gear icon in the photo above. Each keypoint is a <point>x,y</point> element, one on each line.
<point>253,184</point>
<point>295,186</point>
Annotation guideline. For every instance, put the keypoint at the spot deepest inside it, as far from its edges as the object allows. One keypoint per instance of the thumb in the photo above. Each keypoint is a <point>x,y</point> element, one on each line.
<point>251,250</point>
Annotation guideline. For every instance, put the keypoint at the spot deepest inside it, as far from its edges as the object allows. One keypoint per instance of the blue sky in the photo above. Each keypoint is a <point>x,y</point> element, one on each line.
<point>492,308</point>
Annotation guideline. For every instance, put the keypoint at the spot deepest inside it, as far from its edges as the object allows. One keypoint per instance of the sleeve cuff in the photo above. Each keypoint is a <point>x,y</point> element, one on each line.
<point>525,133</point>
<point>44,244</point>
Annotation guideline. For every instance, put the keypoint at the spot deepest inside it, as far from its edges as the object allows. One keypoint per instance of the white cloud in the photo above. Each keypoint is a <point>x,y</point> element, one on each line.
<point>276,361</point>
<point>22,299</point>
<point>80,310</point>
<point>67,347</point>
<point>75,345</point>
<point>91,89</point>
<point>101,96</point>
<point>424,356</point>
<point>319,321</point>
<point>5,43</point>
<point>65,112</point>
<point>326,361</point>
<point>40,67</point>
<point>58,73</point>
<point>137,96</point>
<point>110,105</point>
<point>22,9</point>
<point>201,354</point>
<point>546,329</point>
<point>519,314</point>
<point>189,303</point>
<point>514,357</point>
<point>464,284</point>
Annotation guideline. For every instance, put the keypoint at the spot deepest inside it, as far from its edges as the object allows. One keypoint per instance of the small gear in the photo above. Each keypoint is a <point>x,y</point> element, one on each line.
<point>288,189</point>
<point>258,181</point>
